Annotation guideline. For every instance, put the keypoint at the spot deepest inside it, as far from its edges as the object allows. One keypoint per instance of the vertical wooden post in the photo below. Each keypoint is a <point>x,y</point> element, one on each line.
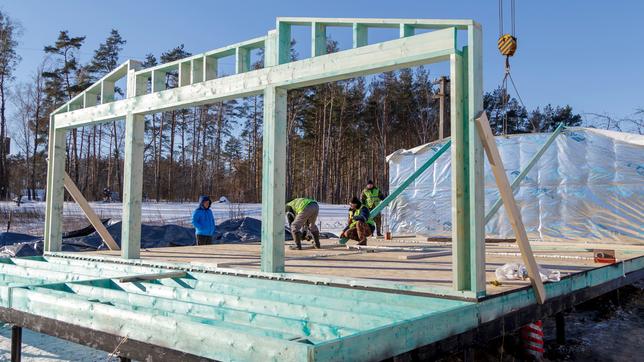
<point>468,227</point>
<point>460,224</point>
<point>360,35</point>
<point>132,186</point>
<point>107,91</point>
<point>475,160</point>
<point>210,68</point>
<point>318,39</point>
<point>274,180</point>
<point>271,49</point>
<point>406,30</point>
<point>55,188</point>
<point>242,60</point>
<point>283,43</point>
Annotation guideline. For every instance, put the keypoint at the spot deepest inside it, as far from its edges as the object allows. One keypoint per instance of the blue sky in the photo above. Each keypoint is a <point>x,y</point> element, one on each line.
<point>584,53</point>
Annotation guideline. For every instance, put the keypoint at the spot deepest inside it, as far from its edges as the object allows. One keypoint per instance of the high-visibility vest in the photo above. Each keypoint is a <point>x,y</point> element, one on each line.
<point>357,213</point>
<point>298,205</point>
<point>372,196</point>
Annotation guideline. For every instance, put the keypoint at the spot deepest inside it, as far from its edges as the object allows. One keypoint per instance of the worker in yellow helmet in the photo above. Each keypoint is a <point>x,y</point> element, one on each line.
<point>371,197</point>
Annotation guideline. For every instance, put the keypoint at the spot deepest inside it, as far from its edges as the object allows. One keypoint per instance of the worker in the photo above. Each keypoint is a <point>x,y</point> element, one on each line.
<point>359,226</point>
<point>302,213</point>
<point>203,221</point>
<point>371,197</point>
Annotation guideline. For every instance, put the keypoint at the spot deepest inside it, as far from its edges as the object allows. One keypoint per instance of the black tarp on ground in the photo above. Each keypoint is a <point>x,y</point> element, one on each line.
<point>244,230</point>
<point>248,230</point>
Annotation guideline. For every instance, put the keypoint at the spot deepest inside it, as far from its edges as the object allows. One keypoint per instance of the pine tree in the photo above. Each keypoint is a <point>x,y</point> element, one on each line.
<point>9,32</point>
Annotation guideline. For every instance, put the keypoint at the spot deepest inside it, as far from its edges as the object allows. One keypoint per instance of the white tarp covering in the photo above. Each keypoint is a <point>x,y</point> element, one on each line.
<point>588,186</point>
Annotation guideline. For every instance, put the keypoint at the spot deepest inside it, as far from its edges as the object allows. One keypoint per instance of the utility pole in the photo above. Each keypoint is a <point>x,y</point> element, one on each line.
<point>441,96</point>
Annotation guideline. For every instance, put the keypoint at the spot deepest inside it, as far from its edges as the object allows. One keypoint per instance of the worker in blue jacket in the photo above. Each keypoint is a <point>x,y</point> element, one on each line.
<point>203,221</point>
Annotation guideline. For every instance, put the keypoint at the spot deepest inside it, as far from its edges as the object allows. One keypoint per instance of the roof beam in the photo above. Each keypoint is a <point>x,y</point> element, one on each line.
<point>399,53</point>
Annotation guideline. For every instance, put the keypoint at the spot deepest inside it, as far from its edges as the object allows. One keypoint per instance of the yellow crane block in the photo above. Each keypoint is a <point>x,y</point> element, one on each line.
<point>507,45</point>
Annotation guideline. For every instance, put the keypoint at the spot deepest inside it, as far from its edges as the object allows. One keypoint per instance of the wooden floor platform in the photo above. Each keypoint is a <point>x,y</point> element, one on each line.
<point>413,261</point>
<point>337,303</point>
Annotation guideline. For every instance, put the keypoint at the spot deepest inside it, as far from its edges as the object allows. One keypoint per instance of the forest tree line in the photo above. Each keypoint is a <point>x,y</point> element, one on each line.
<point>338,133</point>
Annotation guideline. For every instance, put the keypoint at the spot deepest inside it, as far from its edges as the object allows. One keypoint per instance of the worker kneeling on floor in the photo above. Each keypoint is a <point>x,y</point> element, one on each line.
<point>359,225</point>
<point>302,214</point>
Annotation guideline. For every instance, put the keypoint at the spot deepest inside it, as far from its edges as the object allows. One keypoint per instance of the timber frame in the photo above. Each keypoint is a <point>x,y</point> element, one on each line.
<point>199,82</point>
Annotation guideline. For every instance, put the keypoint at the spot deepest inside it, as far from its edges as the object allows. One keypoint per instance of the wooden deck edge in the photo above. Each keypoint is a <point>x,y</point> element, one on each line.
<point>516,319</point>
<point>111,343</point>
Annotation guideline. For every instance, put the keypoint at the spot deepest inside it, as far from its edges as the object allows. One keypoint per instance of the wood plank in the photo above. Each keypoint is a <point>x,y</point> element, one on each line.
<point>460,225</point>
<point>89,213</point>
<point>132,186</point>
<point>380,22</point>
<point>274,179</point>
<point>406,30</point>
<point>55,190</point>
<point>283,43</point>
<point>318,39</point>
<point>157,276</point>
<point>511,208</point>
<point>394,54</point>
<point>242,60</point>
<point>207,341</point>
<point>360,35</point>
<point>476,161</point>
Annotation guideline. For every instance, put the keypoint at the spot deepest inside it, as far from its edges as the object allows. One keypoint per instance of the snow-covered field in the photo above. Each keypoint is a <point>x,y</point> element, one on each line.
<point>331,219</point>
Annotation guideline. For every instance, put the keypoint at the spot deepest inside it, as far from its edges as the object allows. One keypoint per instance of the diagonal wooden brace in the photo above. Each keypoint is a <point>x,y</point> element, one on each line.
<point>511,208</point>
<point>89,213</point>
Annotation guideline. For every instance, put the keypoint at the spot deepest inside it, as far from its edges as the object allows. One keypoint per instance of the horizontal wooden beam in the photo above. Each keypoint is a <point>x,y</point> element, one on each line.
<point>406,52</point>
<point>380,23</point>
<point>157,276</point>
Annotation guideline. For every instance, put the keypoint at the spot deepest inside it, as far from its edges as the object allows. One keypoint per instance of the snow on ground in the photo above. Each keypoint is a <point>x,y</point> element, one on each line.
<point>332,218</point>
<point>38,347</point>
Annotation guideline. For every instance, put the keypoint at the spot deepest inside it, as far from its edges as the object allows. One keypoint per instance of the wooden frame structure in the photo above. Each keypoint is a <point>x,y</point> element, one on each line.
<point>199,84</point>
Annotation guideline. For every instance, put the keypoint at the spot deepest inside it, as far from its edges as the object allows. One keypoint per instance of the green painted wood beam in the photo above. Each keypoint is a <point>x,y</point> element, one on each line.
<point>360,35</point>
<point>461,24</point>
<point>318,39</point>
<point>211,66</point>
<point>411,51</point>
<point>228,286</point>
<point>406,30</point>
<point>517,181</point>
<point>358,284</point>
<point>460,222</point>
<point>273,180</point>
<point>242,60</point>
<point>196,338</point>
<point>283,43</point>
<point>55,189</point>
<point>475,162</point>
<point>248,319</point>
<point>408,181</point>
<point>154,311</point>
<point>315,313</point>
<point>132,186</point>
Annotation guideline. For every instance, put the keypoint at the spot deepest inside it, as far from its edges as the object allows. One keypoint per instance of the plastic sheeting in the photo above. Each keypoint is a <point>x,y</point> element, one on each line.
<point>588,186</point>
